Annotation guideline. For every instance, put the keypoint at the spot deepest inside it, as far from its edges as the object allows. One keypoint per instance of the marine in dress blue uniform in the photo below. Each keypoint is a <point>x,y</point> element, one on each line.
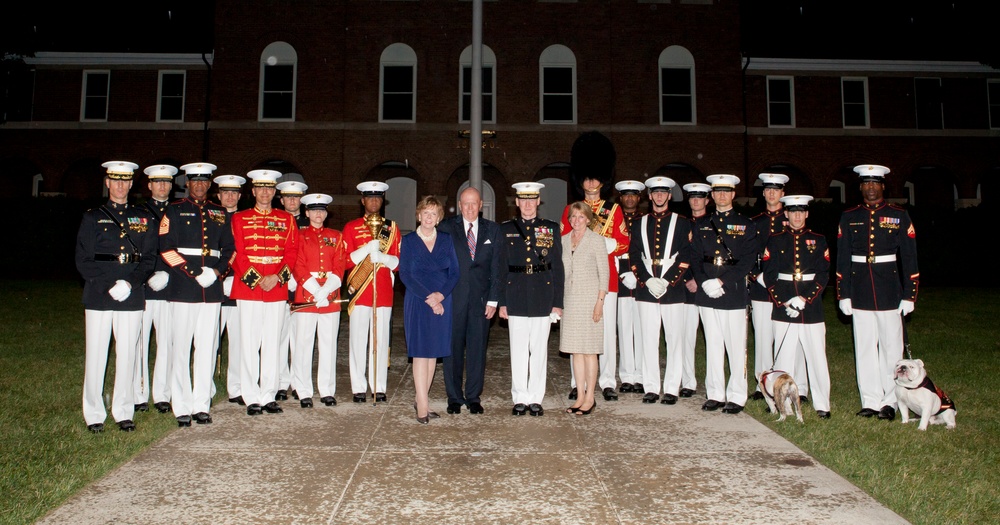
<point>629,333</point>
<point>698,199</point>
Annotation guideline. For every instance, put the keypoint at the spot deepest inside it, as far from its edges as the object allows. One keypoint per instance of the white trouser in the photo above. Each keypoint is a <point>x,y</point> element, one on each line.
<point>191,379</point>
<point>157,315</point>
<point>100,325</point>
<point>229,321</point>
<point>691,319</point>
<point>878,344</point>
<point>529,356</point>
<point>629,341</point>
<point>260,334</point>
<point>805,342</point>
<point>361,351</point>
<point>607,361</point>
<point>653,316</point>
<point>286,348</point>
<point>764,347</point>
<point>725,336</point>
<point>310,327</point>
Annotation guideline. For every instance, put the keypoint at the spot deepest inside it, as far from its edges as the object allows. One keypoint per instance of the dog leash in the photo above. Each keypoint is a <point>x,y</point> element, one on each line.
<point>906,337</point>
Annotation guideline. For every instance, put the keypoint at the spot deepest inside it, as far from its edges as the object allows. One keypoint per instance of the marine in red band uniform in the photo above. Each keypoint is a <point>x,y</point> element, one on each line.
<point>592,166</point>
<point>319,267</point>
<point>196,242</point>
<point>796,266</point>
<point>266,248</point>
<point>157,312</point>
<point>770,222</point>
<point>291,188</point>
<point>230,187</point>
<point>725,249</point>
<point>115,254</point>
<point>629,334</point>
<point>698,199</point>
<point>875,241</point>
<point>659,256</point>
<point>372,259</point>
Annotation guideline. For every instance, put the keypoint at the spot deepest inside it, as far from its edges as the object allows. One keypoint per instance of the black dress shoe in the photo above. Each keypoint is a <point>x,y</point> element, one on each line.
<point>126,425</point>
<point>202,418</point>
<point>281,395</point>
<point>328,401</point>
<point>686,392</point>
<point>637,388</point>
<point>887,413</point>
<point>650,398</point>
<point>536,410</point>
<point>712,404</point>
<point>803,399</point>
<point>254,410</point>
<point>306,402</point>
<point>295,395</point>
<point>162,407</point>
<point>475,408</point>
<point>572,394</point>
<point>610,394</point>
<point>732,408</point>
<point>96,428</point>
<point>183,421</point>
<point>454,408</point>
<point>625,388</point>
<point>668,399</point>
<point>360,398</point>
<point>867,412</point>
<point>757,396</point>
<point>238,400</point>
<point>273,408</point>
<point>823,414</point>
<point>380,397</point>
<point>519,409</point>
<point>142,407</point>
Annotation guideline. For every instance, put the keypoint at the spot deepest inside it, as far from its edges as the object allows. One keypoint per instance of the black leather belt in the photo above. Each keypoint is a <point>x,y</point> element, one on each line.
<point>120,258</point>
<point>719,260</point>
<point>535,268</point>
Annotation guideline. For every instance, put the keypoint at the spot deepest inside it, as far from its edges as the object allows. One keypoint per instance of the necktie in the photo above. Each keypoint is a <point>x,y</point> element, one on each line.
<point>471,237</point>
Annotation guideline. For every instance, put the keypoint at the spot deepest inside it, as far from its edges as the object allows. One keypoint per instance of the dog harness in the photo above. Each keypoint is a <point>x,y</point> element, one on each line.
<point>763,380</point>
<point>946,402</point>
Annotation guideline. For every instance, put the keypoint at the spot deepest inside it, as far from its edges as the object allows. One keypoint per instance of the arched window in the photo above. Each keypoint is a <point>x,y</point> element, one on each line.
<point>278,65</point>
<point>398,84</point>
<point>489,85</point>
<point>557,85</point>
<point>677,94</point>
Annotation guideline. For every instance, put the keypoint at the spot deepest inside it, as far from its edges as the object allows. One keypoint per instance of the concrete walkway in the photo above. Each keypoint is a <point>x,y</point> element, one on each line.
<point>357,463</point>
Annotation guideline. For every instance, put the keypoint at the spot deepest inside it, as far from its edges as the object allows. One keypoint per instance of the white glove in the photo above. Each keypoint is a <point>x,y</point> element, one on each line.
<point>610,244</point>
<point>312,286</point>
<point>792,312</point>
<point>711,286</point>
<point>120,291</point>
<point>377,257</point>
<point>629,280</point>
<point>845,306</point>
<point>227,286</point>
<point>760,280</point>
<point>906,307</point>
<point>158,280</point>
<point>656,286</point>
<point>207,277</point>
<point>796,302</point>
<point>554,318</point>
<point>373,246</point>
<point>332,284</point>
<point>292,285</point>
<point>716,293</point>
<point>322,302</point>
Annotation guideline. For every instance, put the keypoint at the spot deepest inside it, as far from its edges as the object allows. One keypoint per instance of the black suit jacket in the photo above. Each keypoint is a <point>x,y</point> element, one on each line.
<point>479,279</point>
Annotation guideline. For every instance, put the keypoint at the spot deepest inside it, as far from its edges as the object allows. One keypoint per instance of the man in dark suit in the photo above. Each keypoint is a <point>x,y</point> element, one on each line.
<point>474,300</point>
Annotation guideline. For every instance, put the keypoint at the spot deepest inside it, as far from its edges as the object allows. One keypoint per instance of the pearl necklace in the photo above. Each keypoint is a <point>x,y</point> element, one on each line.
<point>430,237</point>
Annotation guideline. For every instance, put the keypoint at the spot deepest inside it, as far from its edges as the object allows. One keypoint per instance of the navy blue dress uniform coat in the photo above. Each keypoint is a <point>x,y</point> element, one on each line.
<point>725,247</point>
<point>870,232</point>
<point>657,228</point>
<point>797,252</point>
<point>531,267</point>
<point>104,254</point>
<point>623,261</point>
<point>768,223</point>
<point>157,209</point>
<point>193,235</point>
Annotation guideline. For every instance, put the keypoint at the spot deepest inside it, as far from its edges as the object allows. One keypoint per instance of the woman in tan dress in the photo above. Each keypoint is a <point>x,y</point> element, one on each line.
<point>585,258</point>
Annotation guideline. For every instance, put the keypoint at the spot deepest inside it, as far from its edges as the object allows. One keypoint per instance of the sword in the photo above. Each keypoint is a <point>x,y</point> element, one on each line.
<point>295,307</point>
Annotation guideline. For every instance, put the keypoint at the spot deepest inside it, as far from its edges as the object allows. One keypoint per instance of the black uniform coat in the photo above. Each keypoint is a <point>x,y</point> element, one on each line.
<point>623,260</point>
<point>101,237</point>
<point>768,223</point>
<point>657,227</point>
<point>156,209</point>
<point>200,226</point>
<point>533,243</point>
<point>733,238</point>
<point>804,251</point>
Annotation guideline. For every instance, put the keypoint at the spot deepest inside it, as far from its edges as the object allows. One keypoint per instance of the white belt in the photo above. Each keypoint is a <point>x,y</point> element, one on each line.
<point>796,277</point>
<point>197,252</point>
<point>321,275</point>
<point>873,259</point>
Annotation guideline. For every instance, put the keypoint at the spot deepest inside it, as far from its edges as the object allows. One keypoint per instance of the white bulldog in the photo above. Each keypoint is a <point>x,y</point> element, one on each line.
<point>781,394</point>
<point>916,392</point>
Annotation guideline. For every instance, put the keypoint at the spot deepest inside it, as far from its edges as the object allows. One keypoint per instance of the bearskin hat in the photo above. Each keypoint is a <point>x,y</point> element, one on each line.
<point>592,157</point>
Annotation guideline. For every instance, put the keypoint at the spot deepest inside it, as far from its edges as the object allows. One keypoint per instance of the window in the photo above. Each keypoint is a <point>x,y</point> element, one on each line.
<point>95,95</point>
<point>780,102</point>
<point>993,98</point>
<point>854,96</point>
<point>557,84</point>
<point>676,86</point>
<point>927,94</point>
<point>171,97</point>
<point>277,82</point>
<point>489,81</point>
<point>398,84</point>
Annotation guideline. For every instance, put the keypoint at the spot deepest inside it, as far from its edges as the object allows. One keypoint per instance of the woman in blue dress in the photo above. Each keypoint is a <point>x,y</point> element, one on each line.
<point>429,270</point>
